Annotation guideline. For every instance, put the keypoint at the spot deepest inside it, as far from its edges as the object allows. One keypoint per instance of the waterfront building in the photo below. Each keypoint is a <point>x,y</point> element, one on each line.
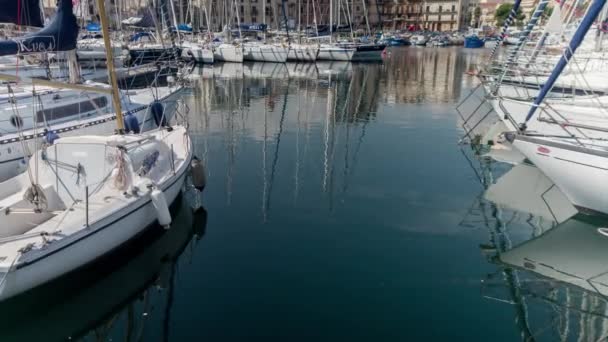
<point>488,10</point>
<point>434,15</point>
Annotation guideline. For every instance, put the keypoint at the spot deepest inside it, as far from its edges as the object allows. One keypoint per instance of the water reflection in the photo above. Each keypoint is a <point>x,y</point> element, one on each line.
<point>128,294</point>
<point>550,261</point>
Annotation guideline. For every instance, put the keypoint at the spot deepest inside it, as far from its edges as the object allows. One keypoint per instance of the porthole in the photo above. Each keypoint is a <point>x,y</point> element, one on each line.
<point>16,121</point>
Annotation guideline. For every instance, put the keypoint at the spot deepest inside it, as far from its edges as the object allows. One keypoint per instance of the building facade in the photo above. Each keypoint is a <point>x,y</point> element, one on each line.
<point>434,15</point>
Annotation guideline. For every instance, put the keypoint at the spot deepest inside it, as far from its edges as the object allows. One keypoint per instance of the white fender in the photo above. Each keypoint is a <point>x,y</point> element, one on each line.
<point>162,209</point>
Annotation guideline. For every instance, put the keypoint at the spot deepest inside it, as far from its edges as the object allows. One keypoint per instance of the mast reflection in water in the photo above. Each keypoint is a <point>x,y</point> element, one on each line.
<point>335,193</point>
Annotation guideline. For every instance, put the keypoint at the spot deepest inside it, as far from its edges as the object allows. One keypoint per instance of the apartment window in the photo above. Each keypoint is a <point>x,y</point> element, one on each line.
<point>453,8</point>
<point>357,8</point>
<point>254,11</point>
<point>440,9</point>
<point>254,19</point>
<point>267,10</point>
<point>242,8</point>
<point>428,8</point>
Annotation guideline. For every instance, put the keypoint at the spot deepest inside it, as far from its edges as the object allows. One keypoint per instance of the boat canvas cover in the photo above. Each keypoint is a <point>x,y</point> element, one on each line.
<point>60,35</point>
<point>23,12</point>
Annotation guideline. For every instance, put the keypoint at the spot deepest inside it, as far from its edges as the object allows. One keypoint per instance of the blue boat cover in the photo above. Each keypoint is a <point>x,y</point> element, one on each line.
<point>23,12</point>
<point>59,35</point>
<point>253,27</point>
<point>93,27</point>
<point>184,28</point>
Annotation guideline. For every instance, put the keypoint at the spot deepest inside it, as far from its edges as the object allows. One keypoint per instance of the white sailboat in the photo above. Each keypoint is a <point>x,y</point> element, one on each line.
<point>578,165</point>
<point>84,196</point>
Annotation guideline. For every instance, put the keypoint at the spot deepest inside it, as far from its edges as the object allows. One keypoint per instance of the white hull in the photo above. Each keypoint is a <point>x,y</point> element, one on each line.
<point>228,53</point>
<point>580,173</point>
<point>265,53</point>
<point>12,155</point>
<point>87,250</point>
<point>303,53</point>
<point>336,53</point>
<point>112,224</point>
<point>197,54</point>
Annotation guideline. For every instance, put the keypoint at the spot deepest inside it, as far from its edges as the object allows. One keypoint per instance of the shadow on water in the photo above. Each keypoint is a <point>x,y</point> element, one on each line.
<point>549,262</point>
<point>115,296</point>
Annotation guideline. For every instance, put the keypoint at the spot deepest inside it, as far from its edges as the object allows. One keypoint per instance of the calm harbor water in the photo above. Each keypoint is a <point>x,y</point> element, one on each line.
<point>339,206</point>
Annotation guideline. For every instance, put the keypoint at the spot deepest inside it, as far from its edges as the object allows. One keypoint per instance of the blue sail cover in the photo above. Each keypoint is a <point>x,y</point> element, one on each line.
<point>253,27</point>
<point>59,35</point>
<point>184,28</point>
<point>23,12</point>
<point>93,27</point>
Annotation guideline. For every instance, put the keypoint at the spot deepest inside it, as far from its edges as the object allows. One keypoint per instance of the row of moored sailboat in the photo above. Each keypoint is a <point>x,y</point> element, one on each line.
<point>549,96</point>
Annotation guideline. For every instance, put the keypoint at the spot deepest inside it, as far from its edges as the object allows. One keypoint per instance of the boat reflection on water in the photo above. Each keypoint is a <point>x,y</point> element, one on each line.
<point>551,263</point>
<point>118,295</point>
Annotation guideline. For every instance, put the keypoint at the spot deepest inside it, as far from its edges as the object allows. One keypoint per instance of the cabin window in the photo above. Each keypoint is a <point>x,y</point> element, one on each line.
<point>73,109</point>
<point>16,121</point>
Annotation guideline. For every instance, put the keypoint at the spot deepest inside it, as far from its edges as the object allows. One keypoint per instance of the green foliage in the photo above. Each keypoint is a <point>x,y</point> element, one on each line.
<point>502,13</point>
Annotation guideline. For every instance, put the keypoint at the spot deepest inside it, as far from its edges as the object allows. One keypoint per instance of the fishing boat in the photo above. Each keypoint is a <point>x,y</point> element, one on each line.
<point>83,196</point>
<point>473,42</point>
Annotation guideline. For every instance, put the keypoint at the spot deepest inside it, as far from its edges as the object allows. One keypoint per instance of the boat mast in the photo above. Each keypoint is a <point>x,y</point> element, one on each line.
<point>264,18</point>
<point>331,20</point>
<point>592,13</point>
<point>369,30</point>
<point>110,59</point>
<point>175,24</point>
<point>299,22</point>
<point>505,28</point>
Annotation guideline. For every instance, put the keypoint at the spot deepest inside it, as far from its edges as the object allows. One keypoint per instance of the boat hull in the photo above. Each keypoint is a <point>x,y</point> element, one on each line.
<point>336,53</point>
<point>473,42</point>
<point>91,243</point>
<point>138,56</point>
<point>580,173</point>
<point>265,53</point>
<point>303,53</point>
<point>368,53</point>
<point>228,53</point>
<point>198,54</point>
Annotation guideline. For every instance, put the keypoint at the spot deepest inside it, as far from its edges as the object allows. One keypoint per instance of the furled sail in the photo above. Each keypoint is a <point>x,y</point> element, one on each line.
<point>59,35</point>
<point>23,12</point>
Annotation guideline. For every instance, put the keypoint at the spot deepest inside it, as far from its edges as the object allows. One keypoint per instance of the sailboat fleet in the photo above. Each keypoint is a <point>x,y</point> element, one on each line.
<point>544,102</point>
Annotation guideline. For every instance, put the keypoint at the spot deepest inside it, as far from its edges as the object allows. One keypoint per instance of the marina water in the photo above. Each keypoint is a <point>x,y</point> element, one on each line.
<point>338,206</point>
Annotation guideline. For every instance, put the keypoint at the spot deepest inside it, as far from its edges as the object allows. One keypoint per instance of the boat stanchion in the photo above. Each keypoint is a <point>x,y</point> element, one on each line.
<point>172,159</point>
<point>86,205</point>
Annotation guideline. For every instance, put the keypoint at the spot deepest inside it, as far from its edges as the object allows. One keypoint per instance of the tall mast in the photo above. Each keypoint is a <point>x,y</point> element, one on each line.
<point>369,30</point>
<point>299,21</point>
<point>110,61</point>
<point>592,13</point>
<point>264,17</point>
<point>331,20</point>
